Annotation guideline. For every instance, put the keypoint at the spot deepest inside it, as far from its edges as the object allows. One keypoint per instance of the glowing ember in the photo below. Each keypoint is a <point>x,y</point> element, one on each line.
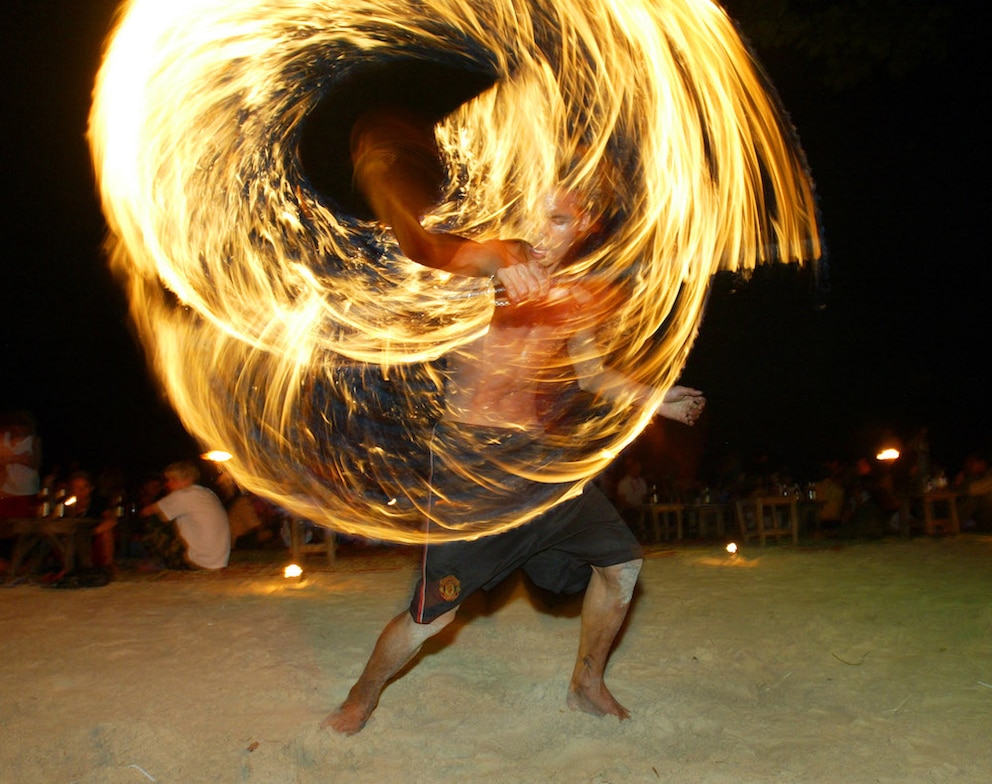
<point>216,456</point>
<point>293,570</point>
<point>732,548</point>
<point>888,454</point>
<point>296,335</point>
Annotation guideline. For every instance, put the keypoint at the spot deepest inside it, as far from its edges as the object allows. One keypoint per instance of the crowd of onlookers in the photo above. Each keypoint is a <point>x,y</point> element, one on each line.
<point>177,520</point>
<point>167,521</point>
<point>862,498</point>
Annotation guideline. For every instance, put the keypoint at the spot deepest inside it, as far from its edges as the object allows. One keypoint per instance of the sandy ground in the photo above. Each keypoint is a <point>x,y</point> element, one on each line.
<point>868,662</point>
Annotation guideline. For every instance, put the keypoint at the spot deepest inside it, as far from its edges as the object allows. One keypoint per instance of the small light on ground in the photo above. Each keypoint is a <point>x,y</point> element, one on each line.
<point>732,548</point>
<point>293,570</point>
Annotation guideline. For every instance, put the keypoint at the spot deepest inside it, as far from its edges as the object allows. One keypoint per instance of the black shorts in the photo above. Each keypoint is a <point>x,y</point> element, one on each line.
<point>556,550</point>
<point>482,478</point>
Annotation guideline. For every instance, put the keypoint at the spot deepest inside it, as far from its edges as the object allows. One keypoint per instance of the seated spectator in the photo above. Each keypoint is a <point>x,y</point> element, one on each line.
<point>632,492</point>
<point>201,537</point>
<point>95,549</point>
<point>974,483</point>
<point>831,493</point>
<point>876,502</point>
<point>132,539</point>
<point>20,455</point>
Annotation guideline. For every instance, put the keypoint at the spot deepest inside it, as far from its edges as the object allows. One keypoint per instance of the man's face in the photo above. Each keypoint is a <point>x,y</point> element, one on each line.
<point>80,488</point>
<point>563,224</point>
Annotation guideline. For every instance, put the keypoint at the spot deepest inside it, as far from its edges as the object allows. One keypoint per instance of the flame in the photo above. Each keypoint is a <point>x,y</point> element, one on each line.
<point>295,334</point>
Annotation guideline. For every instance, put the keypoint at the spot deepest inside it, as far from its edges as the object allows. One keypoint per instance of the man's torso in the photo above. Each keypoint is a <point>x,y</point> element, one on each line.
<point>496,380</point>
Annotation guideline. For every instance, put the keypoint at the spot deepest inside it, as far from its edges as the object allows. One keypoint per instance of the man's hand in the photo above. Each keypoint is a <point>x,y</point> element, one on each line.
<point>683,404</point>
<point>525,281</point>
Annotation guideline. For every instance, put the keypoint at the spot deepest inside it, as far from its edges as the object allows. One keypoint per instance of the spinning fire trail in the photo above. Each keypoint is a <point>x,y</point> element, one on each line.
<point>289,330</point>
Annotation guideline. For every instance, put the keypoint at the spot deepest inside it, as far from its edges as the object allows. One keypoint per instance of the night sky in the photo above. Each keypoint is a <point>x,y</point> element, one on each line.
<point>889,110</point>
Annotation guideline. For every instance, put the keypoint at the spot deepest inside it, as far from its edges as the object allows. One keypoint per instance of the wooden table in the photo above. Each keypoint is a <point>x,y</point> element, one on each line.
<point>297,547</point>
<point>774,515</point>
<point>809,510</point>
<point>940,512</point>
<point>663,516</point>
<point>32,532</point>
<point>703,514</point>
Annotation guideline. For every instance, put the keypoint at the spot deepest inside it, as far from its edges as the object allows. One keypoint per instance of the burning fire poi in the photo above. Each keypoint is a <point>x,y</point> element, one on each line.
<point>297,336</point>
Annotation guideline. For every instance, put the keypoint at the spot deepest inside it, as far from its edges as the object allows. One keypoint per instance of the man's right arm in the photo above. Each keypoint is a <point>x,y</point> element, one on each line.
<point>437,250</point>
<point>391,158</point>
<point>155,510</point>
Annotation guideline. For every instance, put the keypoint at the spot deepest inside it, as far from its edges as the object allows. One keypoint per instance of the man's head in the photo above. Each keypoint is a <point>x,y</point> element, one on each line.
<point>633,467</point>
<point>565,221</point>
<point>180,475</point>
<point>81,486</point>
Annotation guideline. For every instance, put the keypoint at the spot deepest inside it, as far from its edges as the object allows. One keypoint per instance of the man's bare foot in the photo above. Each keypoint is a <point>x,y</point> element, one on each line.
<point>349,719</point>
<point>595,701</point>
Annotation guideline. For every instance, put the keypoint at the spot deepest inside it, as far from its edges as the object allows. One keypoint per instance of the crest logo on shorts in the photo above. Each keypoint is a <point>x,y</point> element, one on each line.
<point>449,587</point>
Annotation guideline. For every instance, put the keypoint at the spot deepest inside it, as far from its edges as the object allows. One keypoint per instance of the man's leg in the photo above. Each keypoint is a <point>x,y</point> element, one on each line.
<point>162,542</point>
<point>603,611</point>
<point>399,642</point>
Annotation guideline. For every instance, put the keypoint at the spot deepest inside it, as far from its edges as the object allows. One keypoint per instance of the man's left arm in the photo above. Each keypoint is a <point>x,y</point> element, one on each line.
<point>682,404</point>
<point>108,521</point>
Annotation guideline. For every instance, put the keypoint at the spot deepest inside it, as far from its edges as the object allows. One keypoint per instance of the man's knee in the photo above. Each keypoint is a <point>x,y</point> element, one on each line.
<point>622,578</point>
<point>425,630</point>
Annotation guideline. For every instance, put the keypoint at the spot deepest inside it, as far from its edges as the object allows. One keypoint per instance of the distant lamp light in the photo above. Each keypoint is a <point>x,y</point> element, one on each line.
<point>887,455</point>
<point>216,456</point>
<point>293,570</point>
<point>732,548</point>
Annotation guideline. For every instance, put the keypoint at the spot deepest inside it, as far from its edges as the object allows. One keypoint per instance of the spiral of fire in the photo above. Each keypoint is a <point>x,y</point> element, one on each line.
<point>288,329</point>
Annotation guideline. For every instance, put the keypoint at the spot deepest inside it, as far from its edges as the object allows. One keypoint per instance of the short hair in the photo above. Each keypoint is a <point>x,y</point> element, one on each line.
<point>596,192</point>
<point>184,469</point>
<point>86,476</point>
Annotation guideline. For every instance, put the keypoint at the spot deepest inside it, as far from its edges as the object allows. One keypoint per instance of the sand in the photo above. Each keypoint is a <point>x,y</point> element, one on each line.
<point>862,662</point>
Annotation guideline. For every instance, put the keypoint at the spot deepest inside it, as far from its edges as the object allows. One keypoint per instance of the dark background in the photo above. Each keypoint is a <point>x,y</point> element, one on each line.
<point>889,100</point>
